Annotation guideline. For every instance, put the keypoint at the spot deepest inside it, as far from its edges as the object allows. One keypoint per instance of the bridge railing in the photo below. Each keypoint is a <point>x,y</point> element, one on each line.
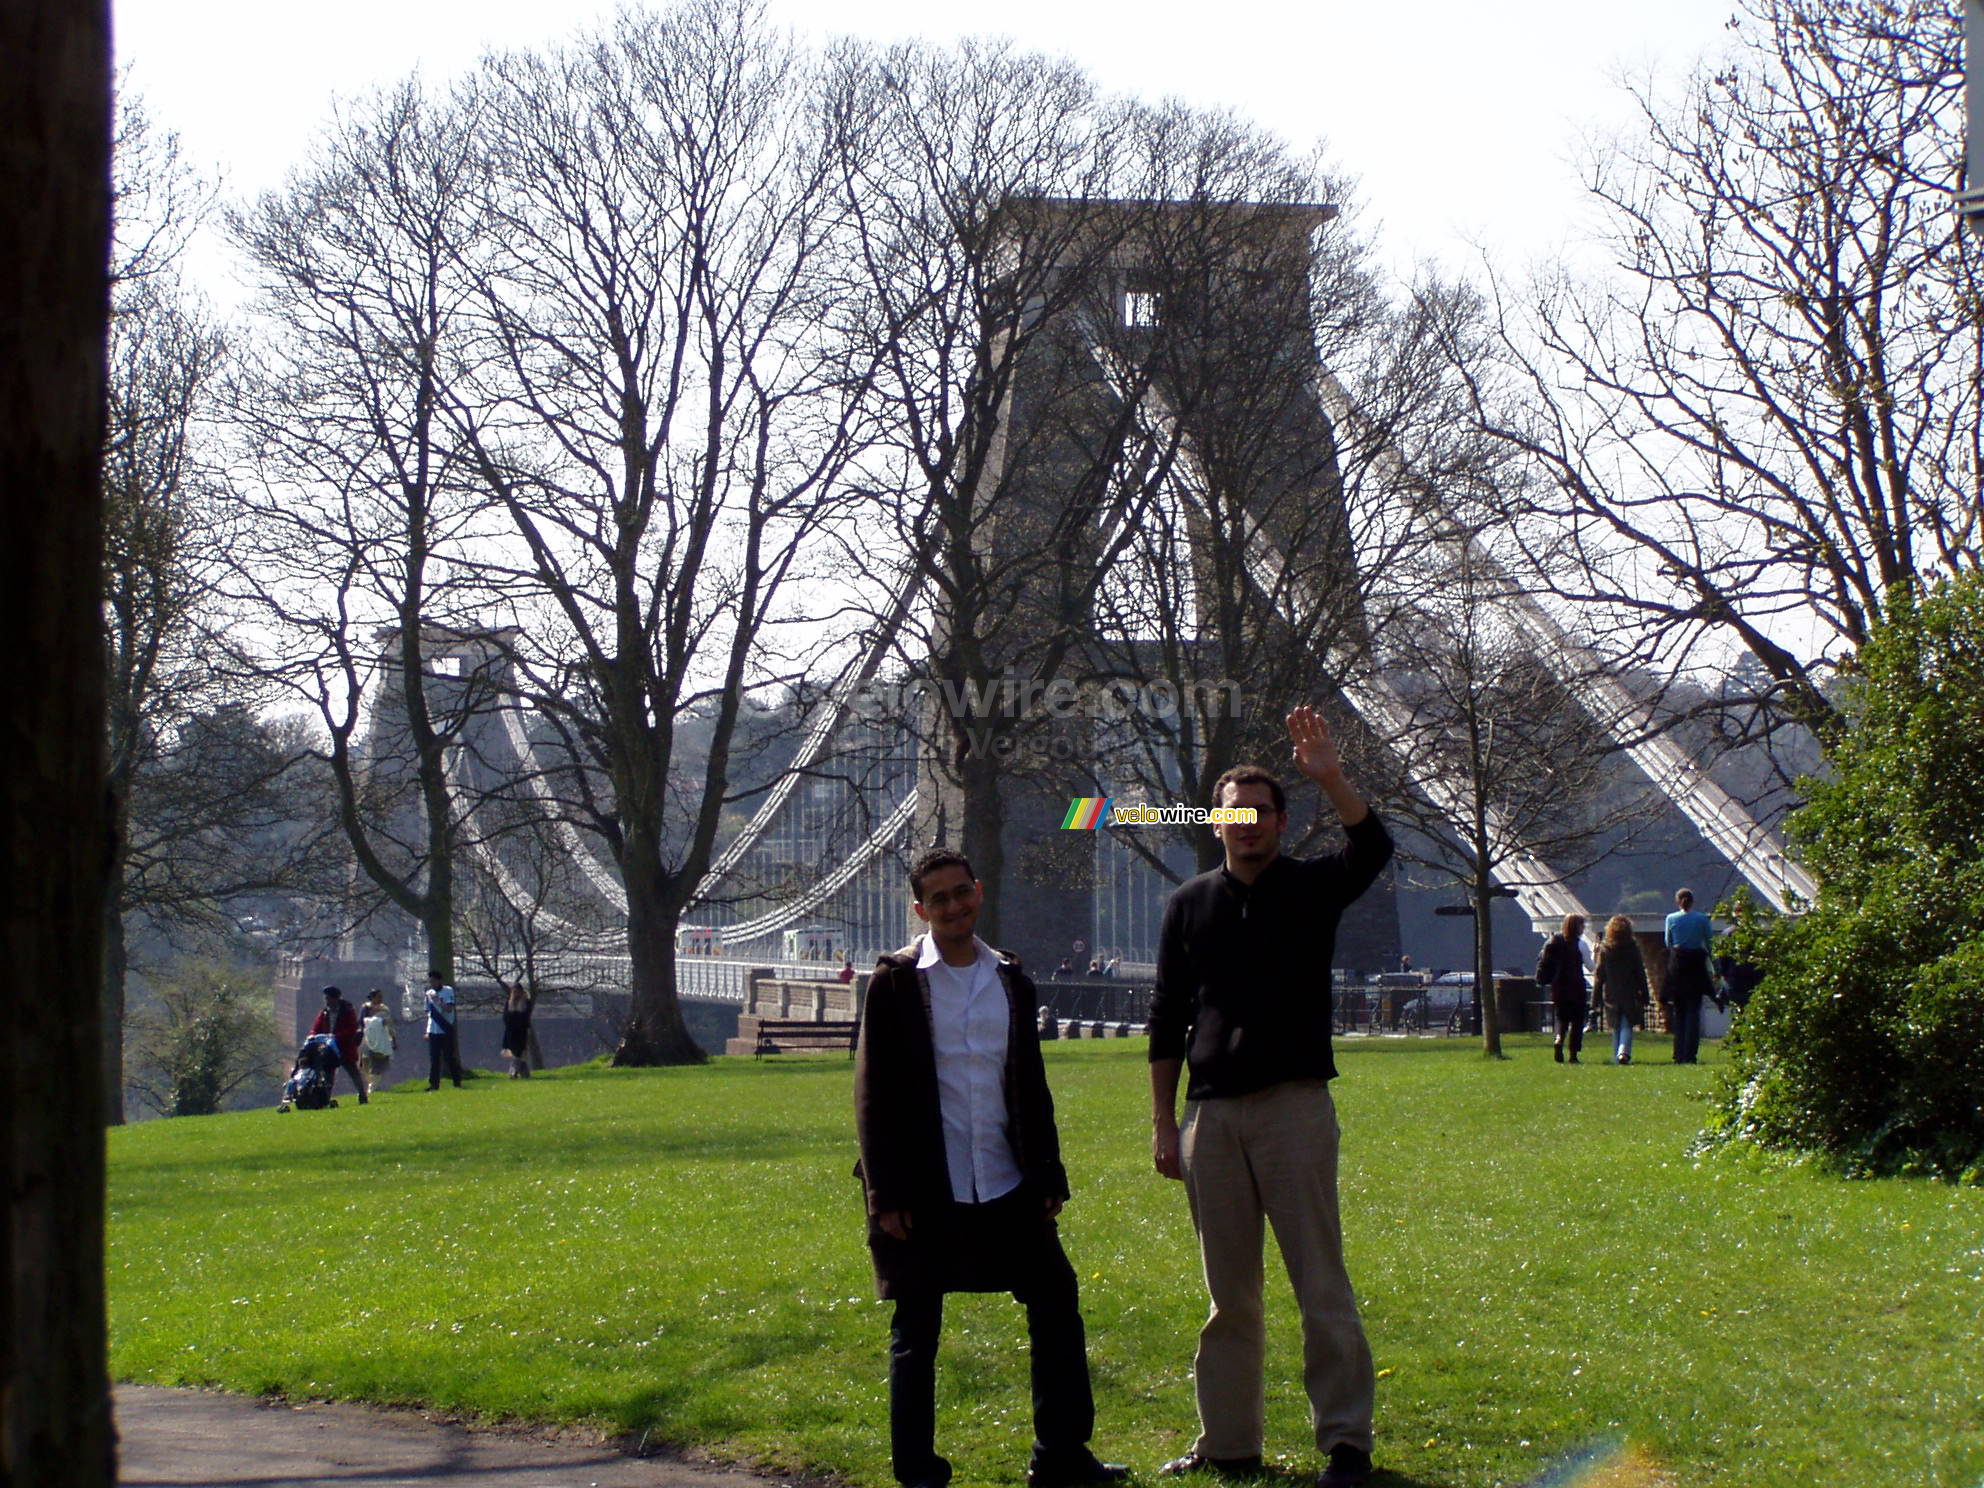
<point>720,979</point>
<point>1107,1001</point>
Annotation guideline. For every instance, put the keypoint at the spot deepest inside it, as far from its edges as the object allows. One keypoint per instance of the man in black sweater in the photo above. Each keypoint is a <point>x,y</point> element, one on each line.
<point>1243,996</point>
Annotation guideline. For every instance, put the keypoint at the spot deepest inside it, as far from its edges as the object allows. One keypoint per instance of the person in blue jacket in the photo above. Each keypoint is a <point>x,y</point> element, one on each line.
<point>1690,941</point>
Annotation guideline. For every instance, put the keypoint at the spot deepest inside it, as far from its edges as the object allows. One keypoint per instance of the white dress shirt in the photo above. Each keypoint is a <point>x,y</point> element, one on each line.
<point>969,1026</point>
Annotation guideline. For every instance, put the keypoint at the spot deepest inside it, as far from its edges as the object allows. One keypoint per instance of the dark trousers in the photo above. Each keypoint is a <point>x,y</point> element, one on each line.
<point>441,1046</point>
<point>1687,984</point>
<point>1570,1022</point>
<point>350,1067</point>
<point>1063,1405</point>
<point>1686,1009</point>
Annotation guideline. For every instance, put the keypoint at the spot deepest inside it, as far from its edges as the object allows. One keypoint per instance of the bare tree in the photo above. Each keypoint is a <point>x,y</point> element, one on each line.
<point>1769,416</point>
<point>233,809</point>
<point>657,423</point>
<point>360,520</point>
<point>1495,760</point>
<point>1311,421</point>
<point>55,1417</point>
<point>163,525</point>
<point>983,300</point>
<point>529,914</point>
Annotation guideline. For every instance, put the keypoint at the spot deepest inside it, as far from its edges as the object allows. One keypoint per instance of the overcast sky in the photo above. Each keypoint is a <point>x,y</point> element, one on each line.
<point>1462,120</point>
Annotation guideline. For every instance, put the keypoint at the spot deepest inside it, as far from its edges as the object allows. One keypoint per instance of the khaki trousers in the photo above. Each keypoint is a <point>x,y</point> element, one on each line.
<point>1272,1155</point>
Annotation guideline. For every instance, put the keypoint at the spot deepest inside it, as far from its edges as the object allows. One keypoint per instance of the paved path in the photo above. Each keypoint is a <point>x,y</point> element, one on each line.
<point>203,1439</point>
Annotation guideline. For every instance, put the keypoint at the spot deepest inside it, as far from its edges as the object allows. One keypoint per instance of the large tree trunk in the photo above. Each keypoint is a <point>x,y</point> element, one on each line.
<point>1484,966</point>
<point>437,915</point>
<point>979,834</point>
<point>655,1032</point>
<point>55,1423</point>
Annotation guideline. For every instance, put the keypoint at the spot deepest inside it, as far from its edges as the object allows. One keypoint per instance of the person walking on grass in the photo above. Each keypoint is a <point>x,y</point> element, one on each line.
<point>1690,936</point>
<point>1620,978</point>
<point>517,1006</point>
<point>378,1039</point>
<point>1560,972</point>
<point>1243,1000</point>
<point>442,1033</point>
<point>961,1172</point>
<point>340,1020</point>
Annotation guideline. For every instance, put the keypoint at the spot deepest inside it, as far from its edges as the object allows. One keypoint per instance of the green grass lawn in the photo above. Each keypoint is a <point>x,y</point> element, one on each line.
<point>1544,1272</point>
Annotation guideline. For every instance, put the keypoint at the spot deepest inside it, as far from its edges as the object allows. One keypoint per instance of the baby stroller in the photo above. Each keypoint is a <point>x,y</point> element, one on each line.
<point>309,1084</point>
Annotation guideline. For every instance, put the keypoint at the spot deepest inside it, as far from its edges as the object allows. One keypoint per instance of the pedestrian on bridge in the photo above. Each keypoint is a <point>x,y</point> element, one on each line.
<point>1243,999</point>
<point>961,1170</point>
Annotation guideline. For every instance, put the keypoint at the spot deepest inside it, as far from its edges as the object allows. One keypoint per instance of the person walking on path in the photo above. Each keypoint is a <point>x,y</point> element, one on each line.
<point>339,1019</point>
<point>517,1008</point>
<point>1690,938</point>
<point>961,1172</point>
<point>442,1034</point>
<point>1620,977</point>
<point>378,1040</point>
<point>1560,971</point>
<point>1243,999</point>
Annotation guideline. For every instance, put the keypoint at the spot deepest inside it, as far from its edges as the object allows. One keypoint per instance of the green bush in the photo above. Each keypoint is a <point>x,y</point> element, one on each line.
<point>206,1033</point>
<point>1865,1042</point>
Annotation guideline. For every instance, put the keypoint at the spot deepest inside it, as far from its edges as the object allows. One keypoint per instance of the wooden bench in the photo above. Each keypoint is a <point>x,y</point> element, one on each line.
<point>783,1036</point>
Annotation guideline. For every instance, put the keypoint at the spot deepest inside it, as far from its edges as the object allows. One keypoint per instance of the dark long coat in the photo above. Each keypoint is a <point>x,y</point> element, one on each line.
<point>899,1123</point>
<point>1621,979</point>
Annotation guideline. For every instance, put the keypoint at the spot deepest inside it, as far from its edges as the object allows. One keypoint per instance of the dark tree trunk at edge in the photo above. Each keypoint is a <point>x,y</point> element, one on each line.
<point>56,1430</point>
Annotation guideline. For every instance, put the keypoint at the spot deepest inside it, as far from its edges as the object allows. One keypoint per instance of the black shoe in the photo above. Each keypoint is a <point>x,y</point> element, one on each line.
<point>1350,1467</point>
<point>1232,1467</point>
<point>1558,1051</point>
<point>1574,1059</point>
<point>937,1475</point>
<point>1073,1471</point>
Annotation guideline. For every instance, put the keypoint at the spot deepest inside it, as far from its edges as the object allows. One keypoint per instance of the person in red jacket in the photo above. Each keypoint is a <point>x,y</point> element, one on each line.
<point>340,1020</point>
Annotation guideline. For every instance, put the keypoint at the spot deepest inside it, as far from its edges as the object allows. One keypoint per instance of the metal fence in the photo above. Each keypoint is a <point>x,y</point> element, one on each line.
<point>715,979</point>
<point>1106,1001</point>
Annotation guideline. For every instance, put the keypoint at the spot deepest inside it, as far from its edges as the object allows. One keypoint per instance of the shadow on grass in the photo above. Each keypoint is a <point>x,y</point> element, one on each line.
<point>656,1418</point>
<point>1290,1477</point>
<point>568,1146</point>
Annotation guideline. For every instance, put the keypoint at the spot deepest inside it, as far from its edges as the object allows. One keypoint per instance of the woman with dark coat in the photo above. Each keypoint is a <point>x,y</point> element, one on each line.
<point>1620,977</point>
<point>516,1029</point>
<point>1560,973</point>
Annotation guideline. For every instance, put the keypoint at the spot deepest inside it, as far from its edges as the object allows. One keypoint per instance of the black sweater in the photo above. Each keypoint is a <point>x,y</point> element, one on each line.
<point>1243,970</point>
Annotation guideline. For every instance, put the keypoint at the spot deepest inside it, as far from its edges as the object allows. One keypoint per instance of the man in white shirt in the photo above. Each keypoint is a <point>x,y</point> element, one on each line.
<point>443,1039</point>
<point>961,1168</point>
